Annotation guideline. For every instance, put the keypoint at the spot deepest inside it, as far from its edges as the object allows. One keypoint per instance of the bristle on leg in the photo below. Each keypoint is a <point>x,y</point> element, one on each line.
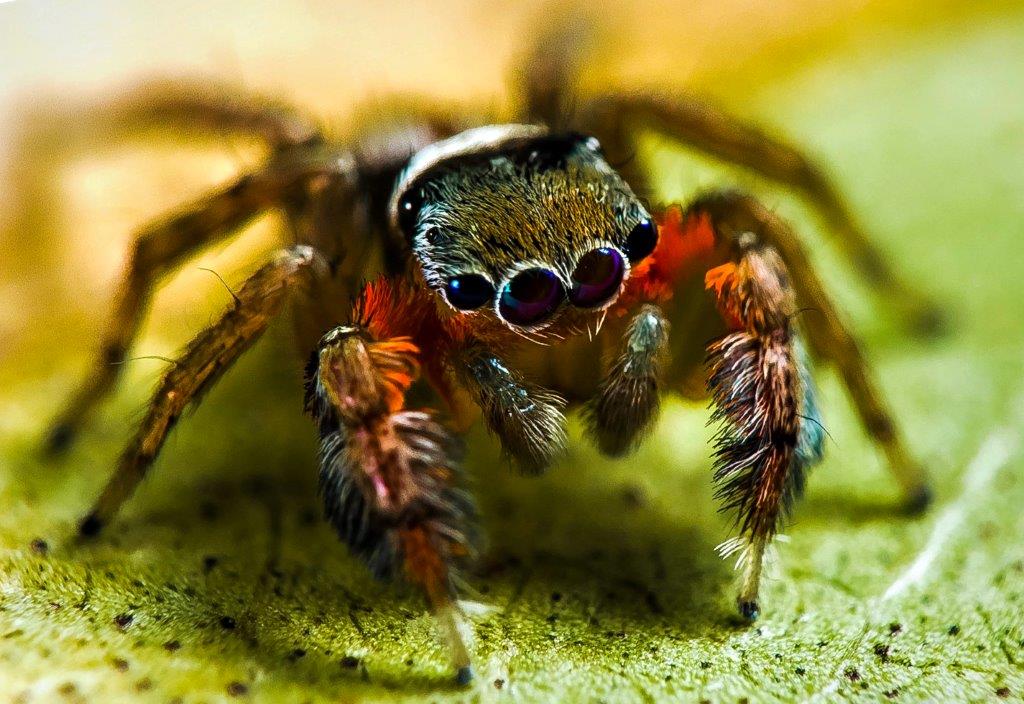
<point>750,581</point>
<point>455,633</point>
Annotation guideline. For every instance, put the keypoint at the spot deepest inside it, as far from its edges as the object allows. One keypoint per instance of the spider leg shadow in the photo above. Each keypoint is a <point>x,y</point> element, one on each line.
<point>851,509</point>
<point>585,542</point>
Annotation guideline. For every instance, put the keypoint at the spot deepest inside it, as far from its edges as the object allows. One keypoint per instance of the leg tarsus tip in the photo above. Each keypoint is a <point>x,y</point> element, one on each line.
<point>749,610</point>
<point>929,321</point>
<point>918,500</point>
<point>464,676</point>
<point>90,526</point>
<point>59,439</point>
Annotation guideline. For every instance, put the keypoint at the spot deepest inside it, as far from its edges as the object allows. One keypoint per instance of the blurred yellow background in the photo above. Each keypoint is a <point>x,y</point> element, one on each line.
<point>332,58</point>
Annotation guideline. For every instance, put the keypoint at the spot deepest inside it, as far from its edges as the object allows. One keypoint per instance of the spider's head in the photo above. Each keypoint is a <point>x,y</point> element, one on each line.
<point>514,223</point>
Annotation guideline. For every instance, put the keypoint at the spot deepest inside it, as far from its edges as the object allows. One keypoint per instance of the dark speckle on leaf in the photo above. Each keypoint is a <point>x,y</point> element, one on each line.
<point>633,496</point>
<point>350,662</point>
<point>895,628</point>
<point>891,693</point>
<point>120,664</point>
<point>122,621</point>
<point>227,622</point>
<point>852,675</point>
<point>499,683</point>
<point>953,630</point>
<point>209,562</point>
<point>172,645</point>
<point>237,689</point>
<point>1003,692</point>
<point>40,546</point>
<point>881,651</point>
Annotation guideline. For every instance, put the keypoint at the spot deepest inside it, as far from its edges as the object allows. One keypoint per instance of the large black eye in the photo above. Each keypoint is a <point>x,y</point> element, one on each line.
<point>597,277</point>
<point>641,241</point>
<point>530,297</point>
<point>469,291</point>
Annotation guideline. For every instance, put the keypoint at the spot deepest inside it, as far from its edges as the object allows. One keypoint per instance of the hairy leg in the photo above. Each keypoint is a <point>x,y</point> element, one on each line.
<point>207,357</point>
<point>737,215</point>
<point>759,378</point>
<point>764,399</point>
<point>158,249</point>
<point>51,132</point>
<point>179,109</point>
<point>700,125</point>
<point>548,73</point>
<point>627,400</point>
<point>389,475</point>
<point>527,418</point>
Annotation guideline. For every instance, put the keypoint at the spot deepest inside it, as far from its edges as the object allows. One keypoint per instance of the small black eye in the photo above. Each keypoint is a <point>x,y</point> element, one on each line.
<point>469,291</point>
<point>530,297</point>
<point>641,241</point>
<point>408,211</point>
<point>597,277</point>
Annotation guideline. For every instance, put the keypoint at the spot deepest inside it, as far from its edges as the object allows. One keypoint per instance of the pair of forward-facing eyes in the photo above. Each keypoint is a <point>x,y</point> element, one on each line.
<point>533,294</point>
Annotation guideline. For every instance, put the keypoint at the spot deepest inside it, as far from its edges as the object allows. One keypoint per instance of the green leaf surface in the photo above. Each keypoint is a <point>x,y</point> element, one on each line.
<point>220,581</point>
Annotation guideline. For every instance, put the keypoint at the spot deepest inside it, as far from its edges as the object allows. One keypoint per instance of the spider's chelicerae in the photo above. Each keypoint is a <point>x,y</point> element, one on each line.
<point>513,273</point>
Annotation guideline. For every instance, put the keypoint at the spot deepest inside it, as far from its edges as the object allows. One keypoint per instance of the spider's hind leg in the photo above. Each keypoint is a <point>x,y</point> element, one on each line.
<point>58,129</point>
<point>159,249</point>
<point>207,357</point>
<point>615,118</point>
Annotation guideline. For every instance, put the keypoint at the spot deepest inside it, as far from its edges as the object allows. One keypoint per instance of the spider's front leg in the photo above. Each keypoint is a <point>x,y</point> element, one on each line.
<point>760,383</point>
<point>389,475</point>
<point>764,397</point>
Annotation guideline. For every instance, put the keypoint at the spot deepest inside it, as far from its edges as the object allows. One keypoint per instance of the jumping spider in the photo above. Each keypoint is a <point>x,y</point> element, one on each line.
<point>513,272</point>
